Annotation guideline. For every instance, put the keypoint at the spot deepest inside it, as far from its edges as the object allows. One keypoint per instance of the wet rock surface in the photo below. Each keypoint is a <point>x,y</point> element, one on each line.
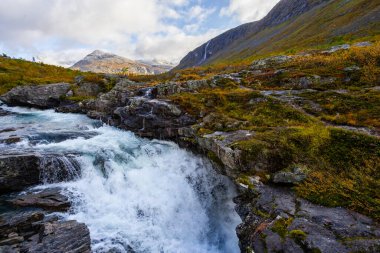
<point>4,112</point>
<point>275,220</point>
<point>19,171</point>
<point>49,199</point>
<point>32,231</point>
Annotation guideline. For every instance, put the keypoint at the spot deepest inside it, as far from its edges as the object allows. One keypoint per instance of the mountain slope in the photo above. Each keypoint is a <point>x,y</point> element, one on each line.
<point>102,62</point>
<point>291,25</point>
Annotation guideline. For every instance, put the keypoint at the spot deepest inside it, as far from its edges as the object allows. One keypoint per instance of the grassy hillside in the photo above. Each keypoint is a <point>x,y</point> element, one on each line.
<point>316,127</point>
<point>15,72</point>
<point>338,22</point>
<point>291,27</point>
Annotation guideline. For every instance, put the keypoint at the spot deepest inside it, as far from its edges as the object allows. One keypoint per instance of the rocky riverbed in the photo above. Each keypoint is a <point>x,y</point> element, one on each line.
<point>273,218</point>
<point>73,184</point>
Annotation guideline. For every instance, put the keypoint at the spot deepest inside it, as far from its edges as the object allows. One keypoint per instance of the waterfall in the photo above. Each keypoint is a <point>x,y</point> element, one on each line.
<point>134,193</point>
<point>205,53</point>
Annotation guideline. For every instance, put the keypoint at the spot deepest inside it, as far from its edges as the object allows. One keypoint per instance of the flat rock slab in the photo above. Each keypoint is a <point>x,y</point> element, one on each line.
<point>276,220</point>
<point>33,232</point>
<point>48,199</point>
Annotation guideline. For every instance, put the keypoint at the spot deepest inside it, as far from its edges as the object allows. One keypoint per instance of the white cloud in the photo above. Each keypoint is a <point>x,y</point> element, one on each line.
<point>57,30</point>
<point>199,13</point>
<point>172,47</point>
<point>248,10</point>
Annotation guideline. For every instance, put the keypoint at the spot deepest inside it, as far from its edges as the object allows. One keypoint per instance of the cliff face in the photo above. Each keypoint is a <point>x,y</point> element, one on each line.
<point>290,24</point>
<point>102,62</point>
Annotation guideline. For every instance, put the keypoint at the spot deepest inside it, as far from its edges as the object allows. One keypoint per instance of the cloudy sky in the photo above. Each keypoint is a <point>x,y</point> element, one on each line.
<point>64,31</point>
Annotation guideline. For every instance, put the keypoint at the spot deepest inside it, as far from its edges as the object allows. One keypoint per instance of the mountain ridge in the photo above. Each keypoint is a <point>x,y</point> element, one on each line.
<point>291,24</point>
<point>103,62</point>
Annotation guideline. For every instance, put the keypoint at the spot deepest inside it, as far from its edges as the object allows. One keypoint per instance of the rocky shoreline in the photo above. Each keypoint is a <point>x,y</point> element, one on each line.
<point>274,218</point>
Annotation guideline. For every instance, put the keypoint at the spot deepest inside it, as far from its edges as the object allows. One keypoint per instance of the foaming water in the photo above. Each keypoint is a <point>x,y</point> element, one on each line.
<point>133,193</point>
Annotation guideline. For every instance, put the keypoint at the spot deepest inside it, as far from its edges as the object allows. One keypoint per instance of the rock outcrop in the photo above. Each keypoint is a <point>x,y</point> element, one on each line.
<point>19,171</point>
<point>33,232</point>
<point>41,96</point>
<point>49,199</point>
<point>154,118</point>
<point>275,220</point>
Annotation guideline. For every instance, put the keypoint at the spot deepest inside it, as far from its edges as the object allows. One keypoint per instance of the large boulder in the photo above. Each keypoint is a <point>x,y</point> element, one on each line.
<point>60,236</point>
<point>19,171</point>
<point>40,96</point>
<point>48,199</point>
<point>276,220</point>
<point>33,232</point>
<point>153,117</point>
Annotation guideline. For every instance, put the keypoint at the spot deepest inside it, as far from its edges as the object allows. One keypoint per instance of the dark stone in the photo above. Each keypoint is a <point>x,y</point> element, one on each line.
<point>48,199</point>
<point>71,108</point>
<point>323,229</point>
<point>153,117</point>
<point>23,224</point>
<point>86,89</point>
<point>31,232</point>
<point>11,140</point>
<point>60,236</point>
<point>19,171</point>
<point>4,112</point>
<point>40,96</point>
<point>6,130</point>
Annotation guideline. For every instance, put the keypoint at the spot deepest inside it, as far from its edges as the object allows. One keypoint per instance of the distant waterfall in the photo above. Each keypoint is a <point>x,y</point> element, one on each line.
<point>205,53</point>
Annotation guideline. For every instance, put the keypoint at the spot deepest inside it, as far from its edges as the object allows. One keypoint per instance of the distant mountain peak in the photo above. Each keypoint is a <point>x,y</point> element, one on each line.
<point>103,62</point>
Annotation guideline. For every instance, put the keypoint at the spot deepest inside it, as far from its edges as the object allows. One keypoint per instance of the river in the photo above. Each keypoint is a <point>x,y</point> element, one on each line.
<point>148,195</point>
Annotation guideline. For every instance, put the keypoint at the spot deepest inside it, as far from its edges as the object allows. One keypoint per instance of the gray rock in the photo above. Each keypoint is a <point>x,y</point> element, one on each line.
<point>352,68</point>
<point>297,175</point>
<point>48,199</point>
<point>19,171</point>
<point>78,79</point>
<point>363,44</point>
<point>60,236</point>
<point>219,144</point>
<point>32,232</point>
<point>86,89</point>
<point>11,140</point>
<point>337,48</point>
<point>41,96</point>
<point>268,62</point>
<point>171,88</point>
<point>4,112</point>
<point>322,229</point>
<point>152,117</point>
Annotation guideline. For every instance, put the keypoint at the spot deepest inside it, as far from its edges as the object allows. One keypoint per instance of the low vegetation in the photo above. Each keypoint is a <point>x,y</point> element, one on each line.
<point>16,72</point>
<point>343,166</point>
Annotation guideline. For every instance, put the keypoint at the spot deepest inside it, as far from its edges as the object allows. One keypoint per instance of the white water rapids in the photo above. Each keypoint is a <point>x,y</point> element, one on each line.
<point>147,195</point>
